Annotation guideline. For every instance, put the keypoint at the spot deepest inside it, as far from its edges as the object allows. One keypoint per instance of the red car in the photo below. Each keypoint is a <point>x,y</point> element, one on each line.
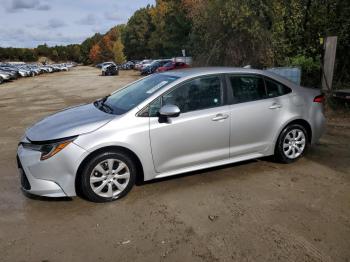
<point>172,66</point>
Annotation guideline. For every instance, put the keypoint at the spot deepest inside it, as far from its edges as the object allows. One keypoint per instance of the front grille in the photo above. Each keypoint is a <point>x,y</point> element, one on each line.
<point>24,180</point>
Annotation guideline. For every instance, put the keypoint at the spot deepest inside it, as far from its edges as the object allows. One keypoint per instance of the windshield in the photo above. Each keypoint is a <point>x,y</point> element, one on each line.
<point>132,95</point>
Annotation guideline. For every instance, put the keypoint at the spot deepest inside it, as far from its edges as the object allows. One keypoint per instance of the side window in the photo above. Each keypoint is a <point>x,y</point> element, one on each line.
<point>247,88</point>
<point>274,89</point>
<point>197,94</point>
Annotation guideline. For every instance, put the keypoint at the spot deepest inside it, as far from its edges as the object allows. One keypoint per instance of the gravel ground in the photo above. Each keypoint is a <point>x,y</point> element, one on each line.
<point>252,211</point>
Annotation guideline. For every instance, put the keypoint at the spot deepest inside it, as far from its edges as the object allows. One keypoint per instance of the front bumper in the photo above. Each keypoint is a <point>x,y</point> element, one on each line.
<point>54,177</point>
<point>40,187</point>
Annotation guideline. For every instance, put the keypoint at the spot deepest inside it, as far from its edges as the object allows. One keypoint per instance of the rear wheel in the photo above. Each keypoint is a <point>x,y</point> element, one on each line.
<point>292,143</point>
<point>108,176</point>
<point>1,80</point>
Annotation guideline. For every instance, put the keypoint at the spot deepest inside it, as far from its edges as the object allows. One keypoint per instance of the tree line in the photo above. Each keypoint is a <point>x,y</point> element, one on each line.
<point>262,33</point>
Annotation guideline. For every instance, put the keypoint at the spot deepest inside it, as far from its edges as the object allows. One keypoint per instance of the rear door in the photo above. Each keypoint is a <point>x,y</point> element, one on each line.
<point>256,113</point>
<point>200,134</point>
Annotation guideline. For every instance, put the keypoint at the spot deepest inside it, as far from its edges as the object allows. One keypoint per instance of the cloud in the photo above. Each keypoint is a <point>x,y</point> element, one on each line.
<point>55,23</point>
<point>114,16</point>
<point>90,19</point>
<point>17,37</point>
<point>17,5</point>
<point>43,7</point>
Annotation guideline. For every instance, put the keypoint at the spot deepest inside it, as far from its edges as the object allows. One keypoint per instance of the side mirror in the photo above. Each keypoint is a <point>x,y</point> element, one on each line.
<point>167,111</point>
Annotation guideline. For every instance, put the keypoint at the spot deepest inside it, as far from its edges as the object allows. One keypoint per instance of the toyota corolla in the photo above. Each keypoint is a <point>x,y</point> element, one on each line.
<point>167,124</point>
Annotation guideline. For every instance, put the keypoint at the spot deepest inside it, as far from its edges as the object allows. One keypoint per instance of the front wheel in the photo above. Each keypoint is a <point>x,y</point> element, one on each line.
<point>292,143</point>
<point>108,176</point>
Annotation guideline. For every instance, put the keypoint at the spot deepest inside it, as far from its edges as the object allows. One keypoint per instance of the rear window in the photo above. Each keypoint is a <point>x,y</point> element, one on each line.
<point>274,89</point>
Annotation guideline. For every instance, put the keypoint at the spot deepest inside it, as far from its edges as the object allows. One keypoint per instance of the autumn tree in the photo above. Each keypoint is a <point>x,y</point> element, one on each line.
<point>118,51</point>
<point>95,54</point>
<point>87,45</point>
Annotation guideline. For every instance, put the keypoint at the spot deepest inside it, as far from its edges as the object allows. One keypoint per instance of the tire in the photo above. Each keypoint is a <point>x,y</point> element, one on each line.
<point>1,80</point>
<point>105,182</point>
<point>292,144</point>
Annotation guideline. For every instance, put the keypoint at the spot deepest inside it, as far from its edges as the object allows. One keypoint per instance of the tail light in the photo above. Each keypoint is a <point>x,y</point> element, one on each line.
<point>319,99</point>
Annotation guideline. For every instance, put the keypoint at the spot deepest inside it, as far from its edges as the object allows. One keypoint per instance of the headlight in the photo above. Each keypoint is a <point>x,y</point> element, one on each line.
<point>49,149</point>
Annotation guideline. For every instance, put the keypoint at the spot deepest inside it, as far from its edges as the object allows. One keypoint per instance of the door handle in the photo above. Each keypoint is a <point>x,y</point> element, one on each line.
<point>219,117</point>
<point>275,106</point>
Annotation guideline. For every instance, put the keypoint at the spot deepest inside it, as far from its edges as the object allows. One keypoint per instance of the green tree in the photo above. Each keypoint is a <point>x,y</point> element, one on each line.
<point>54,55</point>
<point>171,29</point>
<point>43,50</point>
<point>137,33</point>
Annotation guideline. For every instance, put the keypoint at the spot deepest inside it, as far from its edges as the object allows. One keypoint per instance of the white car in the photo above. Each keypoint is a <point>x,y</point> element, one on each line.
<point>4,77</point>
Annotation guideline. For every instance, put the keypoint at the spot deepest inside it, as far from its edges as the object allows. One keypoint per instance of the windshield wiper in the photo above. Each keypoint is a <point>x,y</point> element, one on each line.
<point>101,104</point>
<point>103,100</point>
<point>109,108</point>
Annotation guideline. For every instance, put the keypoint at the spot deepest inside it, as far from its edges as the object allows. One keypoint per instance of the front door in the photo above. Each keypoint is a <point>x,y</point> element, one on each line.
<point>200,134</point>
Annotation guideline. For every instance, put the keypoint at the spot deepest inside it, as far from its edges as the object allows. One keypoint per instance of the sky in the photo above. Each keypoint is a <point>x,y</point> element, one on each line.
<point>28,23</point>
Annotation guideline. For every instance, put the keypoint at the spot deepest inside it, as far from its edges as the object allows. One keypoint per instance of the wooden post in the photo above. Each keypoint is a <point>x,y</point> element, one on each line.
<point>330,47</point>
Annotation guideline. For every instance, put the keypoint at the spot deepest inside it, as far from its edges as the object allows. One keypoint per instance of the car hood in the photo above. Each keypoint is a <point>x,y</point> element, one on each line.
<point>69,122</point>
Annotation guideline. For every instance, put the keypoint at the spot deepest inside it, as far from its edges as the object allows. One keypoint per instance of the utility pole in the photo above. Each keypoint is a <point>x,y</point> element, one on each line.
<point>330,47</point>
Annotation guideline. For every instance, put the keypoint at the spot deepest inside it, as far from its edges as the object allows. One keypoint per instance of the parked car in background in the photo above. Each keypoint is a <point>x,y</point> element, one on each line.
<point>110,70</point>
<point>104,64</point>
<point>4,76</point>
<point>46,69</point>
<point>143,64</point>
<point>154,66</point>
<point>127,65</point>
<point>15,70</point>
<point>172,66</point>
<point>166,124</point>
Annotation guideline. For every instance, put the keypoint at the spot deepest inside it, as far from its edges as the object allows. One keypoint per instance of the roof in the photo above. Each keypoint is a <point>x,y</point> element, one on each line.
<point>198,71</point>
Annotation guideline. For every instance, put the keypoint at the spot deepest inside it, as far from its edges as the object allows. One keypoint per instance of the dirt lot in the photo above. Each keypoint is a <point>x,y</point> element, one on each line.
<point>253,211</point>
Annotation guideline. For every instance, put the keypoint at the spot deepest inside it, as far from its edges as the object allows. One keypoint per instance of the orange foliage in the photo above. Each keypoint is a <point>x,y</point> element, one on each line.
<point>95,53</point>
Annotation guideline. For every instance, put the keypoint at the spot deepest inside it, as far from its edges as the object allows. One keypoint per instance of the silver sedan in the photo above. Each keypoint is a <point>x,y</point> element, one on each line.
<point>167,124</point>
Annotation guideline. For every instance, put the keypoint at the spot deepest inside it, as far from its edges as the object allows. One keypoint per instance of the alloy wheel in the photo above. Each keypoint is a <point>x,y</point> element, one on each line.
<point>294,143</point>
<point>109,178</point>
